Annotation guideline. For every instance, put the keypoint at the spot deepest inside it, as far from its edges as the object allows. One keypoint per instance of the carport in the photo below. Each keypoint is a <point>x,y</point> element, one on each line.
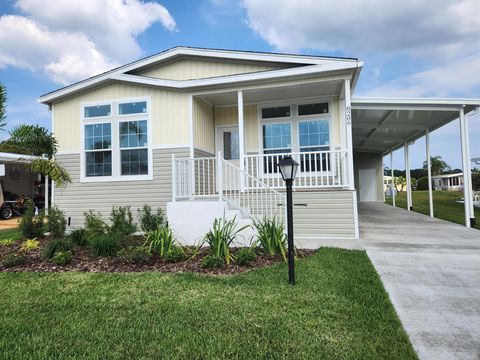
<point>383,125</point>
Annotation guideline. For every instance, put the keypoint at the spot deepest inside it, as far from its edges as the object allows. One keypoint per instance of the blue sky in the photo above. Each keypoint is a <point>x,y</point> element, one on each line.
<point>428,48</point>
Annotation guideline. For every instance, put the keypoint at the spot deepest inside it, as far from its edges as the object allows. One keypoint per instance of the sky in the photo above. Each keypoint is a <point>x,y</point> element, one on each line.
<point>410,48</point>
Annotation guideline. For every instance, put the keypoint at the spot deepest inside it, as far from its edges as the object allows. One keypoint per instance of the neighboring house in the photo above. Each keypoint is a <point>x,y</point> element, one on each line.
<point>183,128</point>
<point>387,184</point>
<point>448,182</point>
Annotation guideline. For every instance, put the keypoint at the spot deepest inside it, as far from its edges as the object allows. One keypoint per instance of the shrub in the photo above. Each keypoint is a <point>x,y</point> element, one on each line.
<point>245,256</point>
<point>62,258</point>
<point>221,236</point>
<point>135,254</point>
<point>104,244</point>
<point>160,241</point>
<point>31,226</point>
<point>78,237</point>
<point>56,245</point>
<point>150,221</point>
<point>422,183</point>
<point>30,245</point>
<point>271,237</point>
<point>176,254</point>
<point>7,242</point>
<point>212,261</point>
<point>94,224</point>
<point>122,221</point>
<point>14,259</point>
<point>57,223</point>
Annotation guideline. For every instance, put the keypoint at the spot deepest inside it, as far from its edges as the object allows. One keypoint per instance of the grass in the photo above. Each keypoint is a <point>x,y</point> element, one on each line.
<point>444,205</point>
<point>338,310</point>
<point>6,236</point>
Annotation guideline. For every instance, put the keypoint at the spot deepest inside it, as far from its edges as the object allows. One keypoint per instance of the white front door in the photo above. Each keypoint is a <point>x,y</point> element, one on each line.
<point>367,183</point>
<point>229,146</point>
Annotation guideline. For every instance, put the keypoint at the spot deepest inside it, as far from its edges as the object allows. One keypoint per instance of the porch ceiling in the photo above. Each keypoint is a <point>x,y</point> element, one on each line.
<point>278,93</point>
<point>382,125</point>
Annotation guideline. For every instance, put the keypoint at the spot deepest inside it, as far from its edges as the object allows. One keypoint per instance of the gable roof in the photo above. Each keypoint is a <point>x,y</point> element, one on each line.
<point>309,64</point>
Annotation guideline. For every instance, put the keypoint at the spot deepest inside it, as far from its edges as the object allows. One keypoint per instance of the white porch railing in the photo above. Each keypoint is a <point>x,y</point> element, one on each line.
<point>193,178</point>
<point>317,169</point>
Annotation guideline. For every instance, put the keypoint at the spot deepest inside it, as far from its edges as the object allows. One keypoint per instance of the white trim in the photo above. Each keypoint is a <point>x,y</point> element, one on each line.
<point>435,103</point>
<point>348,130</point>
<point>170,146</point>
<point>199,148</point>
<point>68,152</point>
<point>406,155</point>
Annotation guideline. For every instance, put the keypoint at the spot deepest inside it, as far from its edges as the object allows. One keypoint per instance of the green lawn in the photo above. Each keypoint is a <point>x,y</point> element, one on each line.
<point>444,205</point>
<point>338,310</point>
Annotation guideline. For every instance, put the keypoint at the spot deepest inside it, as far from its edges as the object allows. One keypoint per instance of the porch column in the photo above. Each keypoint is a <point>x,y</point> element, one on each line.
<point>407,175</point>
<point>192,145</point>
<point>394,188</point>
<point>467,191</point>
<point>348,126</point>
<point>241,138</point>
<point>429,171</point>
<point>46,194</point>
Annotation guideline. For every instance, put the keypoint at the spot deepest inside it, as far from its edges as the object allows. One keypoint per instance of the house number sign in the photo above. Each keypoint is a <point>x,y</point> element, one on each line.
<point>348,115</point>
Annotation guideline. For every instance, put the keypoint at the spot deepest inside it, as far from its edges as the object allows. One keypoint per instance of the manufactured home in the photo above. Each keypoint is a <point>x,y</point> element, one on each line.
<point>448,182</point>
<point>198,133</point>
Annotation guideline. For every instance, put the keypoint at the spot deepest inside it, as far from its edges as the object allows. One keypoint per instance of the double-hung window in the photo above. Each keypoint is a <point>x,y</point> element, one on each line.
<point>116,141</point>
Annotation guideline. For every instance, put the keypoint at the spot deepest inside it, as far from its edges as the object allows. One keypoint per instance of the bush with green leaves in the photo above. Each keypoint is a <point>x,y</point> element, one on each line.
<point>14,259</point>
<point>78,237</point>
<point>221,236</point>
<point>94,224</point>
<point>122,221</point>
<point>135,254</point>
<point>150,221</point>
<point>212,261</point>
<point>30,245</point>
<point>245,256</point>
<point>160,241</point>
<point>32,226</point>
<point>57,245</point>
<point>7,242</point>
<point>176,254</point>
<point>57,223</point>
<point>105,244</point>
<point>271,237</point>
<point>62,258</point>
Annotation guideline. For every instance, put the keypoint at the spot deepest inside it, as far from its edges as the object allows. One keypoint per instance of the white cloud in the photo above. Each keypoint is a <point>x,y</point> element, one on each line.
<point>70,40</point>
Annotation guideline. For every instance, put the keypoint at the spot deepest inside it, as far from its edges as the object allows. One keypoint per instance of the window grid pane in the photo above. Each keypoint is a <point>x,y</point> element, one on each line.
<point>134,162</point>
<point>133,134</point>
<point>277,136</point>
<point>98,136</point>
<point>312,109</point>
<point>97,111</point>
<point>276,112</point>
<point>98,163</point>
<point>313,134</point>
<point>132,108</point>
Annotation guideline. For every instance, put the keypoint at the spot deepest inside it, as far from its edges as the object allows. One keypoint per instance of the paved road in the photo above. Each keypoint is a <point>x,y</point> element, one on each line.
<point>431,269</point>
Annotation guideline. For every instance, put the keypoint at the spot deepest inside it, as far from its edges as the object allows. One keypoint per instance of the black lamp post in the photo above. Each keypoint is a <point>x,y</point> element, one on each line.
<point>288,168</point>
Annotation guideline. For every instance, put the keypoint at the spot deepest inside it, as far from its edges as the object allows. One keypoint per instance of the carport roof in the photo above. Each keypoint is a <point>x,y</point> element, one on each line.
<point>12,157</point>
<point>381,125</point>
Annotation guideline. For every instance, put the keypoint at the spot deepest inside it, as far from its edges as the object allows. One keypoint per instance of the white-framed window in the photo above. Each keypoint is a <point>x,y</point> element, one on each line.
<point>116,144</point>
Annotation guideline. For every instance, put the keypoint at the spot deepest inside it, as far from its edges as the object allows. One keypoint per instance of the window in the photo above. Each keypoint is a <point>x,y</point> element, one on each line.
<point>98,144</point>
<point>277,139</point>
<point>312,109</point>
<point>133,148</point>
<point>97,111</point>
<point>276,112</point>
<point>132,108</point>
<point>314,136</point>
<point>231,145</point>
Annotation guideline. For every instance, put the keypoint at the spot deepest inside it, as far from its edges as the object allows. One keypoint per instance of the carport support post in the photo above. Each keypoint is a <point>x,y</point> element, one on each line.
<point>46,194</point>
<point>467,193</point>
<point>407,175</point>
<point>394,188</point>
<point>429,171</point>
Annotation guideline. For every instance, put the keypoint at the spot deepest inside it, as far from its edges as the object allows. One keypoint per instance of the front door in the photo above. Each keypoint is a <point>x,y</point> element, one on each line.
<point>367,183</point>
<point>229,146</point>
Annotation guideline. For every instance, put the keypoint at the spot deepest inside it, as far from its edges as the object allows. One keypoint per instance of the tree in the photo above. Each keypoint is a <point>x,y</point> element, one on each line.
<point>400,183</point>
<point>438,166</point>
<point>3,107</point>
<point>37,141</point>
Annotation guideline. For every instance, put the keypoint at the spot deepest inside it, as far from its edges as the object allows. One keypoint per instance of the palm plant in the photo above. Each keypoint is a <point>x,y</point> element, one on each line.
<point>271,237</point>
<point>3,107</point>
<point>438,166</point>
<point>221,236</point>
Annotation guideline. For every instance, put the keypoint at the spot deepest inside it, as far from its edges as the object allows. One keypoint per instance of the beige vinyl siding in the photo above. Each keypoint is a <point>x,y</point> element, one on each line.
<point>229,116</point>
<point>327,214</point>
<point>168,114</point>
<point>76,198</point>
<point>198,68</point>
<point>370,161</point>
<point>204,127</point>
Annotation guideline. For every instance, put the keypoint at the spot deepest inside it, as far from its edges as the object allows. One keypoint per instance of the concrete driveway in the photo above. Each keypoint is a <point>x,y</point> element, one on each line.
<point>431,269</point>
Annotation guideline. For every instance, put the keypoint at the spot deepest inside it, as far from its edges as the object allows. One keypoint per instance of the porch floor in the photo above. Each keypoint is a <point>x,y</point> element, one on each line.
<point>431,270</point>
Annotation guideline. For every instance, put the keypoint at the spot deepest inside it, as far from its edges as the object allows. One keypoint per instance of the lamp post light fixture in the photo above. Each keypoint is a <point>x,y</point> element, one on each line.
<point>288,169</point>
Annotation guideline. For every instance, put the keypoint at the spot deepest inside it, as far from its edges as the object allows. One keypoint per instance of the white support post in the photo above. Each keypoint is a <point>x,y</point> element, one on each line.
<point>46,194</point>
<point>467,195</point>
<point>407,175</point>
<point>241,139</point>
<point>192,144</point>
<point>219,176</point>
<point>348,126</point>
<point>174,179</point>
<point>392,172</point>
<point>469,174</point>
<point>429,171</point>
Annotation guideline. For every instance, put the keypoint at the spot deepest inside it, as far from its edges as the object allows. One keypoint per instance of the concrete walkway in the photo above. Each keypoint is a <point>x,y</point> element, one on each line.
<point>431,270</point>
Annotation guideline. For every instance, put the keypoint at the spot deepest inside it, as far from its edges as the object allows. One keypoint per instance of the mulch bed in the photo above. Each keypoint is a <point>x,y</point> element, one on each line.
<point>85,261</point>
